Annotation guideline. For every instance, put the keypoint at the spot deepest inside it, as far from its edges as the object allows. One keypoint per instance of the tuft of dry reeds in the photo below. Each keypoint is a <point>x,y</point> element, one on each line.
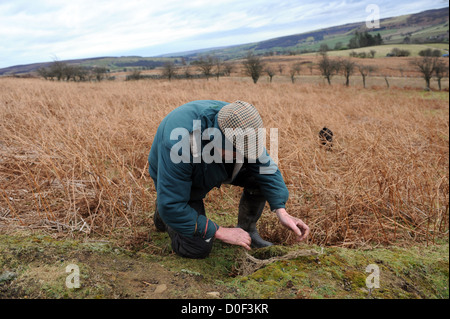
<point>73,157</point>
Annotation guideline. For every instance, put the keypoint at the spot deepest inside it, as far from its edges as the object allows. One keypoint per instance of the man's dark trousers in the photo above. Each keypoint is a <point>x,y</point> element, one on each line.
<point>197,247</point>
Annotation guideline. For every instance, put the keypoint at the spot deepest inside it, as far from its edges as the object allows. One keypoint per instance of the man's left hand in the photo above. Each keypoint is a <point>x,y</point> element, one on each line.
<point>293,223</point>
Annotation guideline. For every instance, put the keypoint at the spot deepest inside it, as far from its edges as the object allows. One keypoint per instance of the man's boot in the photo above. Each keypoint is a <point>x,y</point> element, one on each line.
<point>251,207</point>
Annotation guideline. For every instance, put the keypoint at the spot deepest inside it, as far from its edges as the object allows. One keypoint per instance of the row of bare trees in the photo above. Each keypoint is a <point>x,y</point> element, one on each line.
<point>208,66</point>
<point>328,68</point>
<point>254,67</point>
<point>428,66</point>
<point>62,71</point>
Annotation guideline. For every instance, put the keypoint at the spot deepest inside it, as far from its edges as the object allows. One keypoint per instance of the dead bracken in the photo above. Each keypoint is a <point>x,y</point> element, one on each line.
<point>73,158</point>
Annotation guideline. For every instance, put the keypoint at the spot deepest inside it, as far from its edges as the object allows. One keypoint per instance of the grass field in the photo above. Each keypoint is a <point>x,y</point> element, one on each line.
<point>73,162</point>
<point>382,50</point>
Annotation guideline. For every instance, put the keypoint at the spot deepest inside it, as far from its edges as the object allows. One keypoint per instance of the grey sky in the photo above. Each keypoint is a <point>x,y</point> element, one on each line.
<point>40,30</point>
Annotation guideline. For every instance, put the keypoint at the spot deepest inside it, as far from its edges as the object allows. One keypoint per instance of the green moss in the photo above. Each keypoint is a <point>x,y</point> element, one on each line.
<point>272,272</point>
<point>357,279</point>
<point>39,262</point>
<point>220,263</point>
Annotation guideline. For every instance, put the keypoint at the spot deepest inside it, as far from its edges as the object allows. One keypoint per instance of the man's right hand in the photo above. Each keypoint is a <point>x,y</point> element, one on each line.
<point>234,236</point>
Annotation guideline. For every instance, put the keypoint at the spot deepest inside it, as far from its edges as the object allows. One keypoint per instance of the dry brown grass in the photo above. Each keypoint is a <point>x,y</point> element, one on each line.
<point>73,157</point>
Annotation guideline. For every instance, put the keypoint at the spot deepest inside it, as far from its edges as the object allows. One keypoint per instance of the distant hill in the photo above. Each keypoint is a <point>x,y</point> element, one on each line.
<point>430,26</point>
<point>110,63</point>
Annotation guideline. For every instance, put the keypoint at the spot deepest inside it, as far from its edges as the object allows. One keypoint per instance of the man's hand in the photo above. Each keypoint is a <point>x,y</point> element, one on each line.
<point>294,224</point>
<point>234,236</point>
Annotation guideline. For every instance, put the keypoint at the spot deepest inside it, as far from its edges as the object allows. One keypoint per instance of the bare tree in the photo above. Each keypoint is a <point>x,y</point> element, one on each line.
<point>57,69</point>
<point>386,80</point>
<point>80,73</point>
<point>169,70</point>
<point>324,48</point>
<point>280,68</point>
<point>135,75</point>
<point>253,66</point>
<point>365,71</point>
<point>219,66</point>
<point>44,73</point>
<point>348,67</point>
<point>205,65</point>
<point>69,72</point>
<point>99,72</point>
<point>328,68</point>
<point>292,74</point>
<point>425,65</point>
<point>187,72</point>
<point>295,69</point>
<point>440,71</point>
<point>227,69</point>
<point>270,72</point>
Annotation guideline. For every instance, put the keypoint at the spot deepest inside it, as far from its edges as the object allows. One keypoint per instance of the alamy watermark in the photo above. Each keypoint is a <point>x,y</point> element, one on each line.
<point>373,19</point>
<point>373,280</point>
<point>227,147</point>
<point>73,280</point>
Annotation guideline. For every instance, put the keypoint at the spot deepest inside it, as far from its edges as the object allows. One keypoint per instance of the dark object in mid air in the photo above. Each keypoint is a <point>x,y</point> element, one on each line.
<point>326,138</point>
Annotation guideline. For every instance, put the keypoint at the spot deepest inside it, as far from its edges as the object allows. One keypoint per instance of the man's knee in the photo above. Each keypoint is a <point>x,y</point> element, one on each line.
<point>190,247</point>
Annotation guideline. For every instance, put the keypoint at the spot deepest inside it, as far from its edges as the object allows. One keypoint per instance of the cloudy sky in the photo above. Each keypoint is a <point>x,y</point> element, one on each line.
<point>42,30</point>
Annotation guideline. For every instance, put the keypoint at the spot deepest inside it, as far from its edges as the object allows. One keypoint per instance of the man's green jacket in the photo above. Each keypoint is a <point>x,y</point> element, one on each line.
<point>178,183</point>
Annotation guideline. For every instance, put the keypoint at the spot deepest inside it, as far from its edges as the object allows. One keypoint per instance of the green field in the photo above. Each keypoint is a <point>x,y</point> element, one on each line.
<point>115,64</point>
<point>382,50</point>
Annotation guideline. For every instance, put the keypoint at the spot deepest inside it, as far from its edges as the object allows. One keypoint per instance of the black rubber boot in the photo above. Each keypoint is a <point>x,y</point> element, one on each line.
<point>251,207</point>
